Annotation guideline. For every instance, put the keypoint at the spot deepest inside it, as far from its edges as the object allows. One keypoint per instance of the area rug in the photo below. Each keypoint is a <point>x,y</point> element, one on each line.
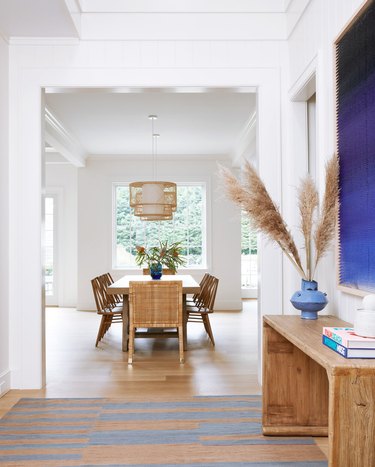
<point>199,431</point>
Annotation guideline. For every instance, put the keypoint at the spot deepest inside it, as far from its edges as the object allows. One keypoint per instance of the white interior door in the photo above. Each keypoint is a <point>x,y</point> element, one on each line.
<point>51,250</point>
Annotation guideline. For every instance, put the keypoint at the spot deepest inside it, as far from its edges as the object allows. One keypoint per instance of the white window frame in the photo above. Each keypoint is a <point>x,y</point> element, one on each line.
<point>205,183</point>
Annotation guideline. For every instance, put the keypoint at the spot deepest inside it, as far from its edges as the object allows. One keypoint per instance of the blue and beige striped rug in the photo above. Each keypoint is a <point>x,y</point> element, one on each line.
<point>200,431</point>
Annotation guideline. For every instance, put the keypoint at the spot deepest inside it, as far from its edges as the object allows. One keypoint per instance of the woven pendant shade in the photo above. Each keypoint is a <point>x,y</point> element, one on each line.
<point>153,200</point>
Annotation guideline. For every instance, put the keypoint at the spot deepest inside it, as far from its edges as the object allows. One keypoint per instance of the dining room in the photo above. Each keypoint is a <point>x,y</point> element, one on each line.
<point>91,204</point>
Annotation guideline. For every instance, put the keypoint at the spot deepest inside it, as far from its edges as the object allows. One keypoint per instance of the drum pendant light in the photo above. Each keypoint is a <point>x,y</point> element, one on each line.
<point>153,200</point>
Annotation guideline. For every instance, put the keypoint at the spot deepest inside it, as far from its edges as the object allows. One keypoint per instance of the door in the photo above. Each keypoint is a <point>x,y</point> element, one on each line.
<point>50,265</point>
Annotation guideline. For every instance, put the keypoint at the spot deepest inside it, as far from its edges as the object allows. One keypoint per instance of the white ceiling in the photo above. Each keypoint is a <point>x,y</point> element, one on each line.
<point>35,18</point>
<point>184,6</point>
<point>189,123</point>
<point>76,18</point>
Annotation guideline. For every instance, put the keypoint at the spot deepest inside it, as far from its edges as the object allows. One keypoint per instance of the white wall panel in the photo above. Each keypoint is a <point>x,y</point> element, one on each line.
<point>4,210</point>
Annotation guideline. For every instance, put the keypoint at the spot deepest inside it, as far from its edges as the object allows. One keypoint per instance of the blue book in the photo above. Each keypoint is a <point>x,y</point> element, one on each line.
<point>348,352</point>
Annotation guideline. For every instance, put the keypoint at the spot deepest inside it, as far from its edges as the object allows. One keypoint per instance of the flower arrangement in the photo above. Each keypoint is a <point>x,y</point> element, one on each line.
<point>317,226</point>
<point>167,255</point>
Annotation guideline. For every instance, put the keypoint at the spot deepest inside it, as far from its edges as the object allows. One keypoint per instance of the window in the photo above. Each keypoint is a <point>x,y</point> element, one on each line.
<point>249,252</point>
<point>188,226</point>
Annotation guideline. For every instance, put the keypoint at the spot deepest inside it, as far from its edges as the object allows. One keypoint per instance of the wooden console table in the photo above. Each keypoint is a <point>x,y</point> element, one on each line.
<point>310,390</point>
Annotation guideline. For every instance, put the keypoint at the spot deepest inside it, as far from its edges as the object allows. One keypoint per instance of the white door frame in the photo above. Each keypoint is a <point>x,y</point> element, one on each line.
<point>27,347</point>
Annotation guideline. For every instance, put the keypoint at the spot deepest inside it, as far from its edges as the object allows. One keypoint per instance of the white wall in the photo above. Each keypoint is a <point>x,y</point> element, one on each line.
<point>61,180</point>
<point>4,214</point>
<point>311,51</point>
<point>95,223</point>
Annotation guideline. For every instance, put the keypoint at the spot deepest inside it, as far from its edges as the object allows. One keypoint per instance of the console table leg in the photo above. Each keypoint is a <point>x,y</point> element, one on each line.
<point>352,419</point>
<point>295,389</point>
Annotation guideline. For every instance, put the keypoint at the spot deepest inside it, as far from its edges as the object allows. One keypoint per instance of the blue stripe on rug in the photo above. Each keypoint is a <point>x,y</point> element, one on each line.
<point>70,400</point>
<point>178,405</point>
<point>49,419</point>
<point>40,457</point>
<point>142,416</point>
<point>268,441</point>
<point>22,436</point>
<point>44,427</point>
<point>239,428</point>
<point>19,413</point>
<point>219,464</point>
<point>79,403</point>
<point>230,396</point>
<point>132,437</point>
<point>11,447</point>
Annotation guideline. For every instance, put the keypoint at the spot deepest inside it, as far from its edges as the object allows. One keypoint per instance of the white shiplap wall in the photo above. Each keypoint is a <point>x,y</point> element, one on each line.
<point>4,214</point>
<point>311,45</point>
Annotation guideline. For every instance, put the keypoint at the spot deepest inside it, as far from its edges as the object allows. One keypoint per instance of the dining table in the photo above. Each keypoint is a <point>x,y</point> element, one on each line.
<point>121,287</point>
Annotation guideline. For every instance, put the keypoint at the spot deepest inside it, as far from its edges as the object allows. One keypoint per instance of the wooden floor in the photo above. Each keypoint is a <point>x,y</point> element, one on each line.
<point>75,368</point>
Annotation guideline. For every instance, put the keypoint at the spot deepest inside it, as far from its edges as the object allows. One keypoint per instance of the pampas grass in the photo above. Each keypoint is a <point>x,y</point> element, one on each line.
<point>308,200</point>
<point>253,198</point>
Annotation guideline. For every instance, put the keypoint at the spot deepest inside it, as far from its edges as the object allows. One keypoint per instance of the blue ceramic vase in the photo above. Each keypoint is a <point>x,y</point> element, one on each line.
<point>309,300</point>
<point>156,270</point>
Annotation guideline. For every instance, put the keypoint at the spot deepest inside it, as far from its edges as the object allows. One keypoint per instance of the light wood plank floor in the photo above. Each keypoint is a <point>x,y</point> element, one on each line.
<point>75,368</point>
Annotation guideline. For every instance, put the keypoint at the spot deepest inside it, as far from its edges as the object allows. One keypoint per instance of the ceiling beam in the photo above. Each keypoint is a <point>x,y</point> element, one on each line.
<point>63,141</point>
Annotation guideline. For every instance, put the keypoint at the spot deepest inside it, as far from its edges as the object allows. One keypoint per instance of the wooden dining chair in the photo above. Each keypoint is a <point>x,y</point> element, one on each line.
<point>204,305</point>
<point>107,280</point>
<point>196,298</point>
<point>155,304</point>
<point>106,306</point>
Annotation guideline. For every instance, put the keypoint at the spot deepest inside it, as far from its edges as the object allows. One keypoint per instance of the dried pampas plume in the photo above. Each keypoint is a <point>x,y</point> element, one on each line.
<point>308,200</point>
<point>325,230</point>
<point>254,198</point>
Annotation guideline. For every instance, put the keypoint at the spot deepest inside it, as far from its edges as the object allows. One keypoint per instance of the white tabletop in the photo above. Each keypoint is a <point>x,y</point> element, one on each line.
<point>189,284</point>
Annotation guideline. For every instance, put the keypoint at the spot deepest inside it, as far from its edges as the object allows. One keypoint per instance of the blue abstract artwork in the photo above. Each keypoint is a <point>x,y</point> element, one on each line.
<point>355,110</point>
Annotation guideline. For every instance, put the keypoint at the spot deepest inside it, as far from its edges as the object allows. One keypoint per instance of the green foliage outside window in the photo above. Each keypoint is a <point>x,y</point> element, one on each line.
<point>186,227</point>
<point>248,237</point>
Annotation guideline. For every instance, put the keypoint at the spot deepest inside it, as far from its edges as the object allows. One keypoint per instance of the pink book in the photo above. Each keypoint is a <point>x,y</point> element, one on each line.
<point>347,338</point>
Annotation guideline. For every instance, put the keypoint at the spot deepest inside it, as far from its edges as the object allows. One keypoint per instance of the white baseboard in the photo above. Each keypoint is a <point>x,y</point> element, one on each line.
<point>4,383</point>
<point>228,305</point>
<point>249,293</point>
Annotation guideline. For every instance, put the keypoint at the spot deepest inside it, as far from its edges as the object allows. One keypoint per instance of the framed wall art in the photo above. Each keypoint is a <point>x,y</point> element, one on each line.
<point>355,137</point>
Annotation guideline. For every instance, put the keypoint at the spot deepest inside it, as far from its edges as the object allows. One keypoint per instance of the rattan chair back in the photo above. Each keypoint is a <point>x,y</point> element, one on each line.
<point>155,304</point>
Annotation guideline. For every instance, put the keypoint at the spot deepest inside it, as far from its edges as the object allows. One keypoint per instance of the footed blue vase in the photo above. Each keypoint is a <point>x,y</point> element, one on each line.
<point>309,300</point>
<point>156,270</point>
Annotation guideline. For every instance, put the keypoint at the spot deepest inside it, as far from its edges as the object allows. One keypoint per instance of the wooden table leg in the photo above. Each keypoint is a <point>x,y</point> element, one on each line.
<point>185,320</point>
<point>352,419</point>
<point>125,323</point>
<point>295,389</point>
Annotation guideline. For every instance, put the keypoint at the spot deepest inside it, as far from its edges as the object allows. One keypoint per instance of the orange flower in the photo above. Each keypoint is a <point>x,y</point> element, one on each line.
<point>140,249</point>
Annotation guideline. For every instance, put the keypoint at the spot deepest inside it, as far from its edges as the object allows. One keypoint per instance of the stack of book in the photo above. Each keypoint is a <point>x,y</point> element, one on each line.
<point>346,343</point>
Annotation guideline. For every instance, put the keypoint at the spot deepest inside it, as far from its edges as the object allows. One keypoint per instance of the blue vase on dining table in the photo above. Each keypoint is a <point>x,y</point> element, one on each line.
<point>156,270</point>
<point>309,300</point>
